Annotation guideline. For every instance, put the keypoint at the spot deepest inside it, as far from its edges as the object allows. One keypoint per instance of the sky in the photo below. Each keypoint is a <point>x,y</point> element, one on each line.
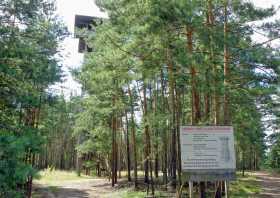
<point>67,9</point>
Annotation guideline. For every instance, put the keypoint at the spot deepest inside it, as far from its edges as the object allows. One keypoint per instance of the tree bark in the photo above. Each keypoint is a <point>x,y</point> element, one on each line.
<point>195,95</point>
<point>173,120</point>
<point>133,131</point>
<point>178,122</point>
<point>146,137</point>
<point>156,130</point>
<point>114,149</point>
<point>196,112</point>
<point>164,138</point>
<point>226,66</point>
<point>127,149</point>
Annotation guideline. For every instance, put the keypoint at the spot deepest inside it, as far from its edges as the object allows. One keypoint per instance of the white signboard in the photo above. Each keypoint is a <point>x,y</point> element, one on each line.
<point>210,147</point>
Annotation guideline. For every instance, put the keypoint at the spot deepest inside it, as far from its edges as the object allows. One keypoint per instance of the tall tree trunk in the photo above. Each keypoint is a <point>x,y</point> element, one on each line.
<point>127,149</point>
<point>114,149</point>
<point>173,121</point>
<point>151,172</point>
<point>133,131</point>
<point>156,157</point>
<point>120,146</point>
<point>164,138</point>
<point>156,130</point>
<point>243,163</point>
<point>31,120</point>
<point>146,136</point>
<point>196,112</point>
<point>226,66</point>
<point>178,122</point>
<point>226,75</point>
<point>113,155</point>
<point>150,148</point>
<point>207,99</point>
<point>34,123</point>
<point>207,90</point>
<point>211,22</point>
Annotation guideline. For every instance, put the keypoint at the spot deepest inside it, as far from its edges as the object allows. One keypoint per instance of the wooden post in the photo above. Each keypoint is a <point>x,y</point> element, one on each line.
<point>190,189</point>
<point>202,193</point>
<point>179,193</point>
<point>226,189</point>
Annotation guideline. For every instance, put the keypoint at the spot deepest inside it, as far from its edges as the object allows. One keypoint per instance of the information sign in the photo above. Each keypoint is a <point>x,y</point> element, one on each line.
<point>207,153</point>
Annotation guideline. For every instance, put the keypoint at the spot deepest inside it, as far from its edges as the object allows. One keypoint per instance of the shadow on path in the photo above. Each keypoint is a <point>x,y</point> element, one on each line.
<point>270,185</point>
<point>60,192</point>
<point>90,188</point>
<point>71,193</point>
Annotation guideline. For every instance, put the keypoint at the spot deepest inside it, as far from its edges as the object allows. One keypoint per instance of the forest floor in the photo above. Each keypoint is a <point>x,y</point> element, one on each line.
<point>94,188</point>
<point>62,184</point>
<point>253,185</point>
<point>270,184</point>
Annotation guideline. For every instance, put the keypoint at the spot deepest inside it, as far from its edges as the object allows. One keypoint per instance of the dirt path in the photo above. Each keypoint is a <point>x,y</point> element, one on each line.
<point>101,188</point>
<point>86,188</point>
<point>270,185</point>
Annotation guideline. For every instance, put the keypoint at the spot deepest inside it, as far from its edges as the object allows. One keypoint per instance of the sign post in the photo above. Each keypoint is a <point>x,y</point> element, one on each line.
<point>207,153</point>
<point>190,189</point>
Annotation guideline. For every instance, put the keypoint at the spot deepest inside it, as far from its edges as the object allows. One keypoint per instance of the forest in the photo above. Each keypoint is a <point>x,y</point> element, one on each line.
<point>153,66</point>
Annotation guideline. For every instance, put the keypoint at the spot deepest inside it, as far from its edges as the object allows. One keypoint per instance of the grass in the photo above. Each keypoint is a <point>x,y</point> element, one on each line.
<point>127,193</point>
<point>130,193</point>
<point>55,177</point>
<point>243,187</point>
<point>246,186</point>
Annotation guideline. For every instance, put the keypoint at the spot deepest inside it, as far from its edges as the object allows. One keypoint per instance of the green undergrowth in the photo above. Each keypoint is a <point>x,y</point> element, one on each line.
<point>243,187</point>
<point>246,186</point>
<point>130,193</point>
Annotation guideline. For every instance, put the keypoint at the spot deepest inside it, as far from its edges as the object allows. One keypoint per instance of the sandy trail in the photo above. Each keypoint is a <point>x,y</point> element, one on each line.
<point>101,188</point>
<point>270,185</point>
<point>86,188</point>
